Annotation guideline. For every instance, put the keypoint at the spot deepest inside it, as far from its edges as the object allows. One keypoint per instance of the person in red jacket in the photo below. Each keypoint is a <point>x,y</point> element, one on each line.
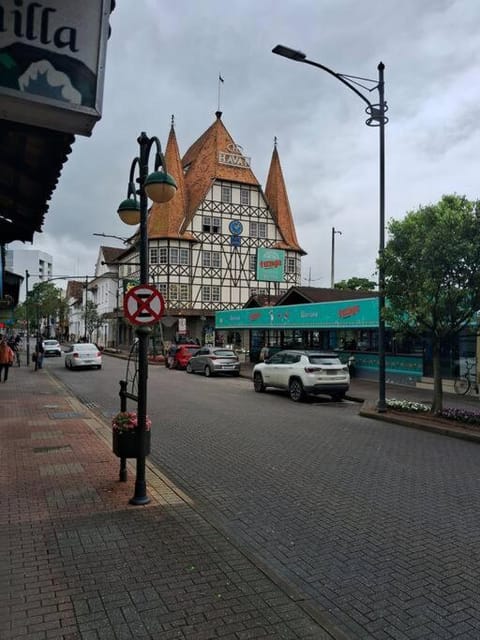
<point>6,359</point>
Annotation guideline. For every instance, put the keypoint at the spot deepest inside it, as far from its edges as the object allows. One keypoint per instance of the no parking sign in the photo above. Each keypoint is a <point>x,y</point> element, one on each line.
<point>143,305</point>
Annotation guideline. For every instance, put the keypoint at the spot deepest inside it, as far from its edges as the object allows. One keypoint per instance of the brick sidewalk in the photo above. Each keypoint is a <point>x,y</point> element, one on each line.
<point>78,562</point>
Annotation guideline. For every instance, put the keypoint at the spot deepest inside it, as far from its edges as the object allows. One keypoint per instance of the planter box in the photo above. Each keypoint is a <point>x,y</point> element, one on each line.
<point>125,444</point>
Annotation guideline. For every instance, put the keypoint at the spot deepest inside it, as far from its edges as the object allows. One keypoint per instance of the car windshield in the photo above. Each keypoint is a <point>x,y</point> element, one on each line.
<point>224,353</point>
<point>85,347</point>
<point>50,343</point>
<point>324,360</point>
<point>191,349</point>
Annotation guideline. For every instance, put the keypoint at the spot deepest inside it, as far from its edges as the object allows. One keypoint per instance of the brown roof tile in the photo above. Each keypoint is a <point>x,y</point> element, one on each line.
<point>111,254</point>
<point>165,220</point>
<point>298,295</point>
<point>277,198</point>
<point>202,165</point>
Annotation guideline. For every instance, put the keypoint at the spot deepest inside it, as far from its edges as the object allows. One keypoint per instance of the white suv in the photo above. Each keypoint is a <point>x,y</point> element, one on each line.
<point>303,373</point>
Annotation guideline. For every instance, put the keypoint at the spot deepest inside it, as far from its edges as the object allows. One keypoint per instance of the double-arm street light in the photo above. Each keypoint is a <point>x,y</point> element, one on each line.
<point>376,118</point>
<point>160,187</point>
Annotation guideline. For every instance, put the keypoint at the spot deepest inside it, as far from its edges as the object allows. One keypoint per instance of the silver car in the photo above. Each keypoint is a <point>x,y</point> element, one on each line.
<point>83,354</point>
<point>213,360</point>
<point>51,348</point>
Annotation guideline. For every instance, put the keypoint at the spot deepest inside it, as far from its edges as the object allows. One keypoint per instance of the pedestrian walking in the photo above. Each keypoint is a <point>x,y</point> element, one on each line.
<point>38,354</point>
<point>6,359</point>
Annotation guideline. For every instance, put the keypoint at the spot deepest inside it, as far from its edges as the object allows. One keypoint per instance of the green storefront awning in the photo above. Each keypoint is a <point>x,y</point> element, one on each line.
<point>344,314</point>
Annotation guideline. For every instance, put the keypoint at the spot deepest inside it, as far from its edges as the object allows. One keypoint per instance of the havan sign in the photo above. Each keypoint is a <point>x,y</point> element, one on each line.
<point>234,157</point>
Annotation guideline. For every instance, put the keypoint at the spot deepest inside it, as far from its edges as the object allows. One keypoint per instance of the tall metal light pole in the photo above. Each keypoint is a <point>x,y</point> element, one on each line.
<point>160,187</point>
<point>27,275</point>
<point>376,118</point>
<point>332,269</point>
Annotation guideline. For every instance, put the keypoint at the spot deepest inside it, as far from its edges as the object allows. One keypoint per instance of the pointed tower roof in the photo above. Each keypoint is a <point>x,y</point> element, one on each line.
<point>203,164</point>
<point>277,198</point>
<point>165,220</point>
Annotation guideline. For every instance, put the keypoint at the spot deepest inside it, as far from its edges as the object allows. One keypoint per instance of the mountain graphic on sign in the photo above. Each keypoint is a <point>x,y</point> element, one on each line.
<point>43,79</point>
<point>52,75</point>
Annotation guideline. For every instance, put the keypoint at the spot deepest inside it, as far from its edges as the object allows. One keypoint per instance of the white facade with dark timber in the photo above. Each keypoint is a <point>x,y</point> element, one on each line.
<point>203,243</point>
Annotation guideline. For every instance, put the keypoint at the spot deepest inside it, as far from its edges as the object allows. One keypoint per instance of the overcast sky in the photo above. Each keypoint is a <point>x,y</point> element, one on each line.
<point>165,58</point>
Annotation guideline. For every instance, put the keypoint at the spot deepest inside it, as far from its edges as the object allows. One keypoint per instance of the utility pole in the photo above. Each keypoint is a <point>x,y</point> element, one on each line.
<point>332,277</point>
<point>85,316</point>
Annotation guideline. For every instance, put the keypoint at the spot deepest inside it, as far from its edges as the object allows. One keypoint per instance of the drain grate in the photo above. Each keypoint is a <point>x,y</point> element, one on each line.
<point>65,447</point>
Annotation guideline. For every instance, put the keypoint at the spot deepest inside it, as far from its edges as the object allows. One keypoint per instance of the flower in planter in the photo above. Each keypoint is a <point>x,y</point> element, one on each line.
<point>127,421</point>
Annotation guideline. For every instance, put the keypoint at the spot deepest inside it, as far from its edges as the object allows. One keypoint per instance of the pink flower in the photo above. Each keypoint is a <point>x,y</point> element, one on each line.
<point>128,421</point>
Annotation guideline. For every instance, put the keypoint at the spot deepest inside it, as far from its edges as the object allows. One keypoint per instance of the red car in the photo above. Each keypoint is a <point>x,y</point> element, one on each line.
<point>178,358</point>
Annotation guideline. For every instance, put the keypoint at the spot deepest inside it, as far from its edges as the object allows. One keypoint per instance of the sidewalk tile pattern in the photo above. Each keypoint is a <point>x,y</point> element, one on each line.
<point>78,562</point>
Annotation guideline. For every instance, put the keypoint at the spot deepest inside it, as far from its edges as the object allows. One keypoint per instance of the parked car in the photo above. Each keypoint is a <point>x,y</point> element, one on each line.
<point>302,373</point>
<point>51,348</point>
<point>83,354</point>
<point>213,360</point>
<point>178,358</point>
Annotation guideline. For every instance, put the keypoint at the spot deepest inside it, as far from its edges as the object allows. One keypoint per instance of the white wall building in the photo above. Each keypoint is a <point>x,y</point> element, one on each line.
<point>204,243</point>
<point>38,264</point>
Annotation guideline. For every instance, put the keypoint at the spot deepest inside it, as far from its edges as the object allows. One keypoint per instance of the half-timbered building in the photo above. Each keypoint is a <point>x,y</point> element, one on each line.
<point>203,244</point>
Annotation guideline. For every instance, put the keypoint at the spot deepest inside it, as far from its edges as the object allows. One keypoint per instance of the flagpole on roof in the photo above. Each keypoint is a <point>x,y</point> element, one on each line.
<point>220,82</point>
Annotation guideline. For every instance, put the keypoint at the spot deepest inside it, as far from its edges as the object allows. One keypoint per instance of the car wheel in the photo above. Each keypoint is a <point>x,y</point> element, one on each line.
<point>99,366</point>
<point>208,371</point>
<point>189,368</point>
<point>296,390</point>
<point>258,384</point>
<point>66,365</point>
<point>337,397</point>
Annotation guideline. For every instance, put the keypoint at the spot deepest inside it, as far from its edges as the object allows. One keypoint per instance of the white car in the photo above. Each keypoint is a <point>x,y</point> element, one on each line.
<point>83,354</point>
<point>51,348</point>
<point>302,373</point>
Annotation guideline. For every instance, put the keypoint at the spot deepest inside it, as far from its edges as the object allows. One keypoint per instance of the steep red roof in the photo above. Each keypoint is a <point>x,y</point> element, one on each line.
<point>165,220</point>
<point>202,165</point>
<point>277,198</point>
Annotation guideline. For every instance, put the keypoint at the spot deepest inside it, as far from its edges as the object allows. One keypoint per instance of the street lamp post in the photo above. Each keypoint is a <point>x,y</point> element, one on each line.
<point>376,118</point>
<point>27,318</point>
<point>332,270</point>
<point>160,187</point>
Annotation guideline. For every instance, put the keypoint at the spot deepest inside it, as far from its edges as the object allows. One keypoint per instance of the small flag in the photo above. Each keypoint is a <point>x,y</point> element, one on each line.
<point>220,78</point>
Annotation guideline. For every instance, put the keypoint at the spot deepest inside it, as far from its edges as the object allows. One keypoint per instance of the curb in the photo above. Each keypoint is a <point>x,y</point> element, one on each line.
<point>369,411</point>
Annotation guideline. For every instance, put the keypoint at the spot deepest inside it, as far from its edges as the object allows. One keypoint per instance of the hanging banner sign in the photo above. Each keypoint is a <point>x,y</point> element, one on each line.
<point>52,62</point>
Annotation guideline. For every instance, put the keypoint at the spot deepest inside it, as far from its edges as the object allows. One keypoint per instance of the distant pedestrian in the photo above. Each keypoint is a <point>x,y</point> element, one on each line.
<point>38,354</point>
<point>6,359</point>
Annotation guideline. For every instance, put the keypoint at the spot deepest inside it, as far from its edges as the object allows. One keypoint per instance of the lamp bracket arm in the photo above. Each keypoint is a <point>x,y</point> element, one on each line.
<point>131,191</point>
<point>339,77</point>
<point>159,157</point>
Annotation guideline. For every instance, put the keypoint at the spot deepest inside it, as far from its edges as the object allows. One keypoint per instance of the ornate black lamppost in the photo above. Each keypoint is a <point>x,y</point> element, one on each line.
<point>160,187</point>
<point>376,118</point>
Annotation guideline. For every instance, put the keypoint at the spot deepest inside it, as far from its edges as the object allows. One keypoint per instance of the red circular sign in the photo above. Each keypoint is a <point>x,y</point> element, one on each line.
<point>143,305</point>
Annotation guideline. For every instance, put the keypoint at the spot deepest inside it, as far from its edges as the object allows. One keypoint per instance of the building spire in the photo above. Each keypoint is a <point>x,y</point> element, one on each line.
<point>277,198</point>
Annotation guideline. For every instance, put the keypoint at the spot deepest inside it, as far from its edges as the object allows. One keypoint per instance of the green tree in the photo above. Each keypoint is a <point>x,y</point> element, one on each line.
<point>44,301</point>
<point>93,320</point>
<point>432,274</point>
<point>356,284</point>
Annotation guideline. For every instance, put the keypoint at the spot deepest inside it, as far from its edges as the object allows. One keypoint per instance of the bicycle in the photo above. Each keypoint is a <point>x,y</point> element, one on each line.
<point>463,384</point>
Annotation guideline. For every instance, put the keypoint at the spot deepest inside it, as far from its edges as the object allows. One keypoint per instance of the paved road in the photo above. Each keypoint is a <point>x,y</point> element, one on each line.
<point>375,525</point>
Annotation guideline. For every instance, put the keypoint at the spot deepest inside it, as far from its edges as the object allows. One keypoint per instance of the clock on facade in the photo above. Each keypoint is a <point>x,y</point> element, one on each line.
<point>235,227</point>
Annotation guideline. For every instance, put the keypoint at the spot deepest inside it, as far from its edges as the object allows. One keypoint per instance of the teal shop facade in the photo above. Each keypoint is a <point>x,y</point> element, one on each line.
<point>350,327</point>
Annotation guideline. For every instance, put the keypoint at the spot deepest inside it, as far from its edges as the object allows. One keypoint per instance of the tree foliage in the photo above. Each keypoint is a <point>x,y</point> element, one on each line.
<point>356,284</point>
<point>432,273</point>
<point>45,300</point>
